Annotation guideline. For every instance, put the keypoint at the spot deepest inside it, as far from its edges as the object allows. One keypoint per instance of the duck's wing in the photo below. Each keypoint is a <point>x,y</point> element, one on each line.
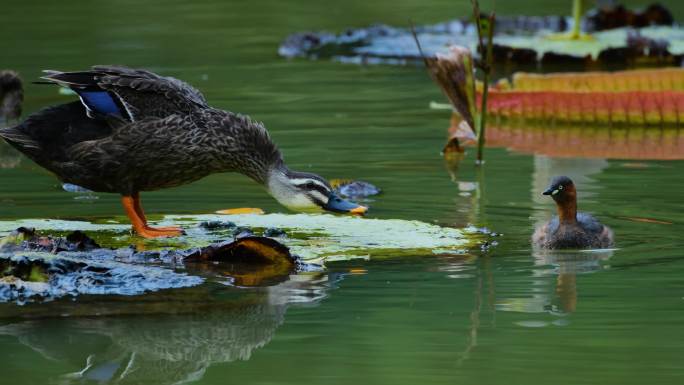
<point>46,136</point>
<point>132,94</point>
<point>147,155</point>
<point>55,128</point>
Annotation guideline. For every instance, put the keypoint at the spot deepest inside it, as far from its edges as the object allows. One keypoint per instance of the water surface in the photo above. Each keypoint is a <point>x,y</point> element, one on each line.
<point>506,316</point>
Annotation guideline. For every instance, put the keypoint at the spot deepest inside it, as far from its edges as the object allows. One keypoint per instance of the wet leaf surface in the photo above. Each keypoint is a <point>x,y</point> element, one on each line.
<point>35,267</point>
<point>519,39</point>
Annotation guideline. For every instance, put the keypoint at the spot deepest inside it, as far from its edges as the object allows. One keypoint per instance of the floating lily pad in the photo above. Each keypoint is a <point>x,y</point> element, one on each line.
<point>515,42</point>
<point>45,267</point>
<point>316,238</point>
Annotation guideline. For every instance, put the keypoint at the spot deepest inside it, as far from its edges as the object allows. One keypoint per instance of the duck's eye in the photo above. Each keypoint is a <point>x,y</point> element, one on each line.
<point>309,185</point>
<point>560,187</point>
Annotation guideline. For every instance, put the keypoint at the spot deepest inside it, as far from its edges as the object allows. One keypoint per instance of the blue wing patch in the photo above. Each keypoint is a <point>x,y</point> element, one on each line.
<point>99,102</point>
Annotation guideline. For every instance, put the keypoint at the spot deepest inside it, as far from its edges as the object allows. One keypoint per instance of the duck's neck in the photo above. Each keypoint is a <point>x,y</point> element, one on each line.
<point>567,209</point>
<point>250,150</point>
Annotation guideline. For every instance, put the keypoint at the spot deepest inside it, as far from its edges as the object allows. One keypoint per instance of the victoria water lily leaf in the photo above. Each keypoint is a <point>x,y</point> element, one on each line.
<point>50,267</point>
<point>386,44</point>
<point>313,237</point>
<point>519,39</point>
<point>322,236</point>
<point>45,276</point>
<point>633,108</point>
<point>544,44</point>
<point>635,97</point>
<point>663,79</point>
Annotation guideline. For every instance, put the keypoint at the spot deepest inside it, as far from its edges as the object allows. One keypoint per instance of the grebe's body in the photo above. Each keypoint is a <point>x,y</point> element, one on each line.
<point>570,229</point>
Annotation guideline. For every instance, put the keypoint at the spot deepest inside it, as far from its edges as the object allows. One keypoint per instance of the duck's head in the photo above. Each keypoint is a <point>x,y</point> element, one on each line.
<point>561,189</point>
<point>307,192</point>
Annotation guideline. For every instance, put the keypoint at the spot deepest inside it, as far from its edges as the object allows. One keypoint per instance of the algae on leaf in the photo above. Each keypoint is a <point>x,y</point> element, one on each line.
<point>343,237</point>
<point>319,237</point>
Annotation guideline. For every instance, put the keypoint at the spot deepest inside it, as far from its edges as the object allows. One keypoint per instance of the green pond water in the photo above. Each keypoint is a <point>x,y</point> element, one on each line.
<point>506,316</point>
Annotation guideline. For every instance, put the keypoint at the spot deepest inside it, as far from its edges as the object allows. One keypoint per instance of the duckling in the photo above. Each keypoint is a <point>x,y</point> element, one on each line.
<point>11,95</point>
<point>570,229</point>
<point>135,131</point>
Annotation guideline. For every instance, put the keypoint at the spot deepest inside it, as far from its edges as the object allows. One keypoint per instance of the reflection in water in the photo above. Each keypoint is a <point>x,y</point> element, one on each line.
<point>468,198</point>
<point>167,348</point>
<point>562,297</point>
<point>590,141</point>
<point>565,265</point>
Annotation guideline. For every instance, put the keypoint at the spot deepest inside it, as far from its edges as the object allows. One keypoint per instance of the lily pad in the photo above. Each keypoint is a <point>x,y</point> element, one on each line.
<point>382,44</point>
<point>316,238</point>
<point>44,267</point>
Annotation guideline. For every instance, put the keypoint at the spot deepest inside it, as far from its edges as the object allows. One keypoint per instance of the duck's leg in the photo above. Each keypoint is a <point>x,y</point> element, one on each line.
<point>141,214</point>
<point>139,225</point>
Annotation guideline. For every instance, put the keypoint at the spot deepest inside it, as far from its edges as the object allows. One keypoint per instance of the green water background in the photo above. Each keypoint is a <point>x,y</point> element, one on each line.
<point>509,316</point>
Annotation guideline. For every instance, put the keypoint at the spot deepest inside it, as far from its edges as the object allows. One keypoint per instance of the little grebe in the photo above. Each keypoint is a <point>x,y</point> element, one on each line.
<point>570,229</point>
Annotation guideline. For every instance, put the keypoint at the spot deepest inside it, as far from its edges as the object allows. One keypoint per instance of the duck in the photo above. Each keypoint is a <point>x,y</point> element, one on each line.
<point>570,229</point>
<point>133,131</point>
<point>11,95</point>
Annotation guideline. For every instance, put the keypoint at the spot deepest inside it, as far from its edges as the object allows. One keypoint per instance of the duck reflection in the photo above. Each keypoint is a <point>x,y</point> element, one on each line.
<point>168,348</point>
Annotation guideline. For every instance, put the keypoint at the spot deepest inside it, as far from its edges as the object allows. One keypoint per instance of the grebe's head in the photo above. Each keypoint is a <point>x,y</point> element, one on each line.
<point>561,189</point>
<point>303,191</point>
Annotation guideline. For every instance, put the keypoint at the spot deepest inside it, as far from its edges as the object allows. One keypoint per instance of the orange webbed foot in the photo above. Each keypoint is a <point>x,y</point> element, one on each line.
<point>151,232</point>
<point>134,211</point>
<point>167,228</point>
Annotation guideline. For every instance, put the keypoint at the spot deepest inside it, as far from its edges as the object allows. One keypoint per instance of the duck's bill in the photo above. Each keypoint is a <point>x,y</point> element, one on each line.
<point>339,205</point>
<point>550,191</point>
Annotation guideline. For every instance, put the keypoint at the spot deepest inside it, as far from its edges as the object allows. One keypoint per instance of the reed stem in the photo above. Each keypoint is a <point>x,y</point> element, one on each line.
<point>485,66</point>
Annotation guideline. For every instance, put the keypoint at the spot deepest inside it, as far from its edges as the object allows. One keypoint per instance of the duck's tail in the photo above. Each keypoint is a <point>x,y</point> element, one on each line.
<point>19,140</point>
<point>11,95</point>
